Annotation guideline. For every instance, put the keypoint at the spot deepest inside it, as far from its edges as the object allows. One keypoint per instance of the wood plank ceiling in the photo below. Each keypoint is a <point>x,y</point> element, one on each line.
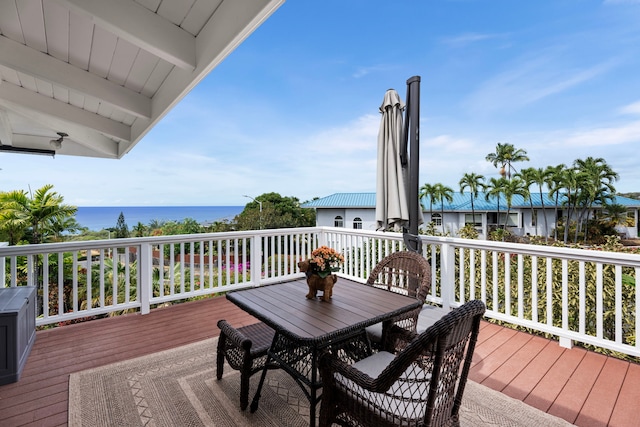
<point>105,72</point>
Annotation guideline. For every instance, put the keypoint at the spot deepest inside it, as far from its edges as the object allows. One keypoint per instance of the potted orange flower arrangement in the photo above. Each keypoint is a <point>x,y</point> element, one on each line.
<point>325,260</point>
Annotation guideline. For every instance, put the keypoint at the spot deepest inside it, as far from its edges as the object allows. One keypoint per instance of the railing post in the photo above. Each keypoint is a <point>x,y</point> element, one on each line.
<point>447,274</point>
<point>145,284</point>
<point>322,237</point>
<point>3,265</point>
<point>256,260</point>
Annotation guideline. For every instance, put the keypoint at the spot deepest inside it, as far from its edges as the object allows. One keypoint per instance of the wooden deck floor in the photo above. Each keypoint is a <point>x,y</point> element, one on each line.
<point>582,387</point>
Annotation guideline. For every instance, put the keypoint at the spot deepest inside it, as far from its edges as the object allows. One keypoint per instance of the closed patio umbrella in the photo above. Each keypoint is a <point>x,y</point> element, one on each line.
<point>392,211</point>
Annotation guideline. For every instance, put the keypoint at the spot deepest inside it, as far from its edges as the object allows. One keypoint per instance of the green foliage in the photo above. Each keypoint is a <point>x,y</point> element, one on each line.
<point>499,234</point>
<point>468,232</point>
<point>430,229</point>
<point>37,216</point>
<point>277,212</point>
<point>140,230</point>
<point>122,230</point>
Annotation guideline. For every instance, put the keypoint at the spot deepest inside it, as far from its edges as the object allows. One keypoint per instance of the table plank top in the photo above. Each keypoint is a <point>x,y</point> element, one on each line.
<point>353,306</point>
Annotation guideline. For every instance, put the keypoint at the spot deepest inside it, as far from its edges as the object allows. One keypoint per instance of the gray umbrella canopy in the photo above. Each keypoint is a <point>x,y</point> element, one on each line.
<point>392,210</point>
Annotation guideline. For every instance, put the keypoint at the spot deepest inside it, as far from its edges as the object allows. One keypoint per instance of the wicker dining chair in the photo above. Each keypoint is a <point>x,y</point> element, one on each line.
<point>245,349</point>
<point>420,386</point>
<point>407,273</point>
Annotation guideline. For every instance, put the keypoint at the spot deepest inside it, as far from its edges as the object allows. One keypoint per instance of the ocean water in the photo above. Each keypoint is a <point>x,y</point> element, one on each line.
<point>99,218</point>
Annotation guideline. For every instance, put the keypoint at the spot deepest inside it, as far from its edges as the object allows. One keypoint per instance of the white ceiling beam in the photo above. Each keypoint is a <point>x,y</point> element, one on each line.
<point>66,112</point>
<point>45,67</point>
<point>141,27</point>
<point>6,134</point>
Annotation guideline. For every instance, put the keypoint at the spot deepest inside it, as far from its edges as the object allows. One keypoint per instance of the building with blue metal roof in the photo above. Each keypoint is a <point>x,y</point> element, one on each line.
<point>526,216</point>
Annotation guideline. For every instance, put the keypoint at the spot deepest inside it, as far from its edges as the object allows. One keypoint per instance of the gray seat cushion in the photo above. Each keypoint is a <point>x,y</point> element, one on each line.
<point>374,332</point>
<point>429,315</point>
<point>405,399</point>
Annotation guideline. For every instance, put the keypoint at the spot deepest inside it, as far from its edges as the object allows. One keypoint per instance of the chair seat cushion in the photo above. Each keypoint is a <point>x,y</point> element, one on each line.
<point>429,315</point>
<point>261,336</point>
<point>394,403</point>
<point>374,332</point>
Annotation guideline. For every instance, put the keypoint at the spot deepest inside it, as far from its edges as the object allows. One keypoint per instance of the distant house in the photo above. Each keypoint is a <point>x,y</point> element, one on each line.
<point>526,217</point>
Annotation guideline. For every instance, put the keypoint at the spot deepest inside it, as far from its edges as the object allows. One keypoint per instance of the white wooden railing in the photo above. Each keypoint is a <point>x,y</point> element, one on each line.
<point>574,294</point>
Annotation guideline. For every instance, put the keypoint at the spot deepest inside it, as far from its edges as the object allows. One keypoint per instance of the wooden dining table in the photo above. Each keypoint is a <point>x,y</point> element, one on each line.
<point>306,327</point>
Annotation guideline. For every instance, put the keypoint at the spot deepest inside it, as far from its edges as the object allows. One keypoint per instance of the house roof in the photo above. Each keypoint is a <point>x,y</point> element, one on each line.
<point>343,200</point>
<point>105,72</point>
<point>461,202</point>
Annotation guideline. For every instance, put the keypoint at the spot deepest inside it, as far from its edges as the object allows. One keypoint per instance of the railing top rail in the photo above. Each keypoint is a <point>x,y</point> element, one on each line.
<point>540,250</point>
<point>136,241</point>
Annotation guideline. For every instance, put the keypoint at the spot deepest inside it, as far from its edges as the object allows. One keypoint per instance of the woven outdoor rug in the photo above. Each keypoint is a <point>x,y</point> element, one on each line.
<point>178,387</point>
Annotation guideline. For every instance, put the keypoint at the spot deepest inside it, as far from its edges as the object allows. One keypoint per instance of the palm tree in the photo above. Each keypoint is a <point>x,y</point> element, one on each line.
<point>495,189</point>
<point>597,185</point>
<point>514,187</point>
<point>540,177</point>
<point>615,214</point>
<point>139,230</point>
<point>475,184</point>
<point>554,182</point>
<point>505,155</point>
<point>36,213</point>
<point>59,225</point>
<point>442,193</point>
<point>571,180</point>
<point>527,177</point>
<point>12,226</point>
<point>428,190</point>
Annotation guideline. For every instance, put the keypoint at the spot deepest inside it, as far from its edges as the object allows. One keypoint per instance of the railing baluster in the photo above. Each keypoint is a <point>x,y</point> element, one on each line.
<point>75,282</point>
<point>60,283</point>
<point>599,302</point>
<point>549,288</point>
<point>495,304</point>
<point>582,297</point>
<point>520,287</point>
<point>618,303</point>
<point>483,275</point>
<point>461,271</point>
<point>534,289</point>
<point>507,283</point>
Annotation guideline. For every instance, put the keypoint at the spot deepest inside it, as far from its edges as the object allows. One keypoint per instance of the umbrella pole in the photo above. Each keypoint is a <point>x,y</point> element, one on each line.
<point>411,135</point>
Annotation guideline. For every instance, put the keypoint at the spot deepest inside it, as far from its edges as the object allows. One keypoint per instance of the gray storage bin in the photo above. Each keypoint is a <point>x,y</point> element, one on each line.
<point>17,330</point>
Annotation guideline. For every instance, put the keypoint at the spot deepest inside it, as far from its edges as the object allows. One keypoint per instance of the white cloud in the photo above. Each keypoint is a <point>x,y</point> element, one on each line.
<point>633,109</point>
<point>532,79</point>
<point>468,38</point>
<point>363,71</point>
<point>359,135</point>
<point>613,135</point>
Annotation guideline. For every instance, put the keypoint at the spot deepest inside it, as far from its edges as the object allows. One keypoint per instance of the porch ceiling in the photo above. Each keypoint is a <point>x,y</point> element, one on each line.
<point>105,72</point>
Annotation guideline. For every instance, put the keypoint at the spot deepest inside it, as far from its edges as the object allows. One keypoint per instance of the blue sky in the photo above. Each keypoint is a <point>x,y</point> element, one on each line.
<point>294,109</point>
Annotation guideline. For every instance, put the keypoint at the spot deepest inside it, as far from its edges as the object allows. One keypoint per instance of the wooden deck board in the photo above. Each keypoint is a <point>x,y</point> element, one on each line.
<point>600,403</point>
<point>550,386</point>
<point>582,387</point>
<point>628,397</point>
<point>569,402</point>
